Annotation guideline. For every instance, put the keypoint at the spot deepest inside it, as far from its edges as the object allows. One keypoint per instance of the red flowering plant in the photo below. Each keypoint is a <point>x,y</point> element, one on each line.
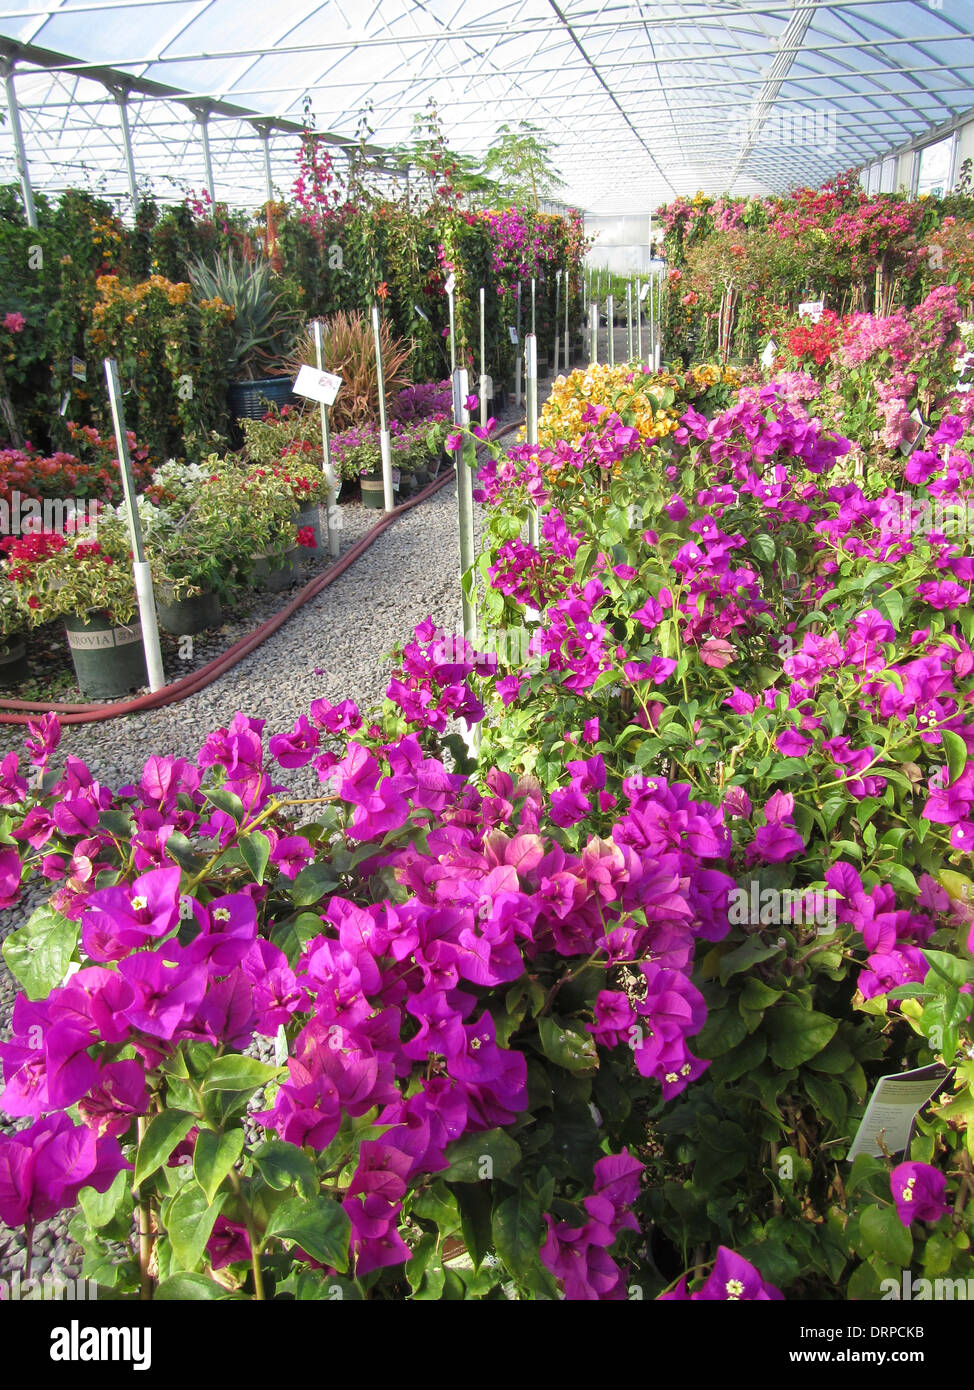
<point>57,574</point>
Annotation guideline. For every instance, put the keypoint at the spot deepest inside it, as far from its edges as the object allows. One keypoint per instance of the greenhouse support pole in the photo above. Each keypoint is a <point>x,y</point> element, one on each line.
<point>461,418</point>
<point>20,151</point>
<point>567,352</point>
<point>453,329</point>
<point>557,314</point>
<point>140,566</point>
<point>610,315</point>
<point>629,319</point>
<point>518,359</point>
<point>203,118</point>
<point>639,324</point>
<point>650,356</point>
<point>483,357</point>
<point>265,140</point>
<point>385,442</point>
<point>122,99</point>
<point>531,352</point>
<point>532,305</point>
<point>331,500</point>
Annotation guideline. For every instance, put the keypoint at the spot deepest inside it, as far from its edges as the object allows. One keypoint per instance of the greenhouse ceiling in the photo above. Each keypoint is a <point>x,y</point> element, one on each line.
<point>640,101</point>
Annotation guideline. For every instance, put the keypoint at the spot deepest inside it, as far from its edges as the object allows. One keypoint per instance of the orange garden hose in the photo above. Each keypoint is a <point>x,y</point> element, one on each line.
<point>21,711</point>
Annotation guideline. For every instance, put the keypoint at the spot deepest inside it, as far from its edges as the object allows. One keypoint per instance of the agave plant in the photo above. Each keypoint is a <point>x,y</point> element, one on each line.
<point>349,352</point>
<point>264,322</point>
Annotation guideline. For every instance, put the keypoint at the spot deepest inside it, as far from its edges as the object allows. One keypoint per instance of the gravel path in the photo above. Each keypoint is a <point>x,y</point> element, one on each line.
<point>334,647</point>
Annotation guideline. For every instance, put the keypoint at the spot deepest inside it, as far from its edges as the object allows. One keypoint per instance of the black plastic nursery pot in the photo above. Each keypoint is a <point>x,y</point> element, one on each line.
<point>275,572</point>
<point>108,660</point>
<point>249,399</point>
<point>186,616</point>
<point>13,661</point>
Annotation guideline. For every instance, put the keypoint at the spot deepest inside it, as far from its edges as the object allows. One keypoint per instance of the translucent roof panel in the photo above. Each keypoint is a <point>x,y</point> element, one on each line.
<point>641,101</point>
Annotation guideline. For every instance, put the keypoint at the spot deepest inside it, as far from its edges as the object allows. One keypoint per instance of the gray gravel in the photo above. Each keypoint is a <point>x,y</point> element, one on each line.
<point>336,647</point>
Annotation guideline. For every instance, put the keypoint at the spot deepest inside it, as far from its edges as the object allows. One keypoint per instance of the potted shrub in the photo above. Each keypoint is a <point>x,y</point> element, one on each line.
<point>265,324</point>
<point>357,456</point>
<point>349,352</point>
<point>88,583</point>
<point>13,648</point>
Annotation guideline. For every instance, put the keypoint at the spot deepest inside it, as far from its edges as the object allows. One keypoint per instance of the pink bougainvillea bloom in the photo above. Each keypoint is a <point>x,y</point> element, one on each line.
<point>918,1191</point>
<point>716,652</point>
<point>14,323</point>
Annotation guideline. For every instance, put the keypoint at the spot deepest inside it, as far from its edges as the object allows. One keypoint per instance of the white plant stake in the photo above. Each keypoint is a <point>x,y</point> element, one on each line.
<point>331,500</point>
<point>140,566</point>
<point>385,443</point>
<point>465,465</point>
<point>557,314</point>
<point>610,315</point>
<point>483,358</point>
<point>531,346</point>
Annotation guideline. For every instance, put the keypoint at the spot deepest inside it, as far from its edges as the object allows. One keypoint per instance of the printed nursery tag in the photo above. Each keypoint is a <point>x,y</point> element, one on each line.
<point>513,333</point>
<point>450,285</point>
<point>813,308</point>
<point>768,355</point>
<point>915,433</point>
<point>79,369</point>
<point>487,386</point>
<point>893,1107</point>
<point>317,386</point>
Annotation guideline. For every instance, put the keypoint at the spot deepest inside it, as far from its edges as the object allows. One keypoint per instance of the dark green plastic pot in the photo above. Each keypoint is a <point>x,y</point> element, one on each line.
<point>13,661</point>
<point>185,616</point>
<point>108,661</point>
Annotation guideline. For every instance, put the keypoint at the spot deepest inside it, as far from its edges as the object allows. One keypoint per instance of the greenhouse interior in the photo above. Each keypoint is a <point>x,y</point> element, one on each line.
<point>486,648</point>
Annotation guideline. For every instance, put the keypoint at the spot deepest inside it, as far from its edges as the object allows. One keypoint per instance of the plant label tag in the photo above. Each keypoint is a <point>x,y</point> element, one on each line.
<point>513,335</point>
<point>813,308</point>
<point>486,387</point>
<point>768,355</point>
<point>643,292</point>
<point>79,369</point>
<point>893,1108</point>
<point>451,283</point>
<point>420,313</point>
<point>65,401</point>
<point>317,386</point>
<point>396,478</point>
<point>280,1047</point>
<point>914,434</point>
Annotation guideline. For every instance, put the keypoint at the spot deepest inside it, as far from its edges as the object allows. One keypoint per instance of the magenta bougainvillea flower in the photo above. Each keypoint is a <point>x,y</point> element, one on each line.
<point>918,1191</point>
<point>733,1280</point>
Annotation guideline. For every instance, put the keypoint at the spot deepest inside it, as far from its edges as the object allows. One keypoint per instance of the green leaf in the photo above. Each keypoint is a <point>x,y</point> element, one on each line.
<point>753,951</point>
<point>797,1034</point>
<point>473,1201</point>
<point>162,1134</point>
<point>890,604</point>
<point>955,750</point>
<point>763,547</point>
<point>100,1207</point>
<point>237,1073</point>
<point>190,1224</point>
<point>180,849</point>
<point>256,850</point>
<point>185,1288</point>
<point>567,1045</point>
<point>39,953</point>
<point>283,1165</point>
<point>213,1157</point>
<point>518,1230</point>
<point>882,1230</point>
<point>227,802</point>
<point>492,1154</point>
<point>319,1226</point>
<point>312,884</point>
